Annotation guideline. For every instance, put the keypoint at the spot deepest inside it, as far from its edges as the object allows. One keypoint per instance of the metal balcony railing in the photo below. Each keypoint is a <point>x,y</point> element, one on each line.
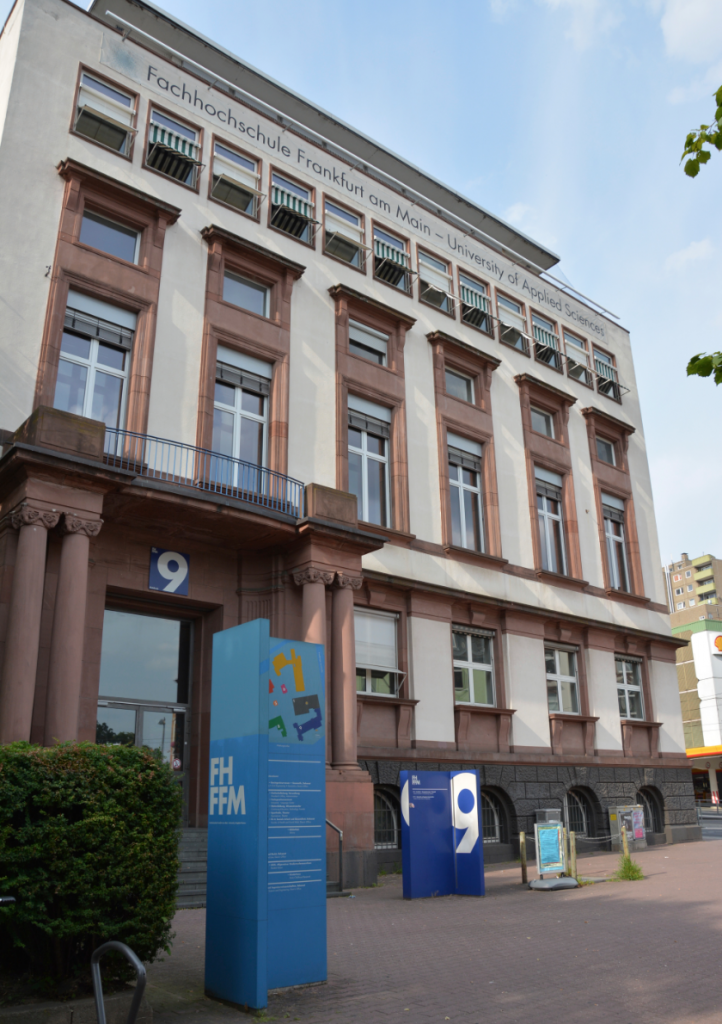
<point>184,465</point>
<point>608,380</point>
<point>546,347</point>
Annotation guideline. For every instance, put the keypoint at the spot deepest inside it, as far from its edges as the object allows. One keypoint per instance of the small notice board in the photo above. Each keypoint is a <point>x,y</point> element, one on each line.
<point>549,840</point>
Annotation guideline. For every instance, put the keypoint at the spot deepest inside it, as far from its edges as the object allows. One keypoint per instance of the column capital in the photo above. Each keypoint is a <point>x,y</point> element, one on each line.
<point>312,575</point>
<point>26,515</point>
<point>74,524</point>
<point>353,582</point>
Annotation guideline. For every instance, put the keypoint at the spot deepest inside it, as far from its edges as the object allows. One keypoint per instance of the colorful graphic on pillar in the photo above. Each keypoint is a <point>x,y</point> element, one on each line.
<point>299,667</point>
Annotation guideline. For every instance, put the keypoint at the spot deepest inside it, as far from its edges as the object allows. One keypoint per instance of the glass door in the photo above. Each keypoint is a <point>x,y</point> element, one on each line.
<point>144,693</point>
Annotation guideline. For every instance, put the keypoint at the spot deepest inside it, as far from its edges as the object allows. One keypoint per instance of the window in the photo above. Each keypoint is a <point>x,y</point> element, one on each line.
<point>576,813</point>
<point>391,260</point>
<point>605,451</point>
<point>707,598</point>
<point>689,571</point>
<point>653,814</point>
<point>235,180</point>
<point>680,605</point>
<point>475,303</point>
<point>578,362</point>
<point>106,235</point>
<point>459,386</point>
<point>343,235</point>
<point>434,282</point>
<point>376,652</point>
<point>473,667</point>
<point>105,114</point>
<point>292,208</point>
<point>512,323</point>
<point>369,431</point>
<point>94,360</point>
<point>679,591</point>
<point>173,149</point>
<point>691,603</point>
<point>676,578</point>
<point>542,422</point>
<point>467,524</point>
<point>549,513</point>
<point>546,342</point>
<point>607,379</point>
<point>562,685</point>
<point>240,414</point>
<point>613,512</point>
<point>386,822</point>
<point>245,294</point>
<point>689,587</point>
<point>366,342</point>
<point>492,819</point>
<point>629,689</point>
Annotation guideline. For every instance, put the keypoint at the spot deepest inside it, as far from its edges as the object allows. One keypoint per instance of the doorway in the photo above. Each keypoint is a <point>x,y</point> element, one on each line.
<point>145,687</point>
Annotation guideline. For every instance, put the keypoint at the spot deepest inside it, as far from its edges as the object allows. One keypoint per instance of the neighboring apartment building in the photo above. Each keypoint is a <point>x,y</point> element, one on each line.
<point>255,364</point>
<point>693,586</point>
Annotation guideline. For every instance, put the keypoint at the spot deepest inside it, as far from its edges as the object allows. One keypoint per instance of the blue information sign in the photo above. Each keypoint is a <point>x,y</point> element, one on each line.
<point>266,897</point>
<point>442,846</point>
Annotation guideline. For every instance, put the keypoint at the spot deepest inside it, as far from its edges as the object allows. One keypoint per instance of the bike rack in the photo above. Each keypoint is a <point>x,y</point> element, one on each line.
<point>98,983</point>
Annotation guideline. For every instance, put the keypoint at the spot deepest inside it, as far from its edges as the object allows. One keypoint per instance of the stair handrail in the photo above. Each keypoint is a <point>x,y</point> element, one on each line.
<point>98,983</point>
<point>340,852</point>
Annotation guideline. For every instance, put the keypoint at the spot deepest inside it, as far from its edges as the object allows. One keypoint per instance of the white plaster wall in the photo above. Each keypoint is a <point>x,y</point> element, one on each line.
<point>667,709</point>
<point>422,435</point>
<point>511,477</point>
<point>603,703</point>
<point>589,545</point>
<point>525,679</point>
<point>432,682</point>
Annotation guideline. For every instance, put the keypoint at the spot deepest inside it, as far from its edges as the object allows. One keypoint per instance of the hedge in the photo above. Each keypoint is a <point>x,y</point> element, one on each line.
<point>89,849</point>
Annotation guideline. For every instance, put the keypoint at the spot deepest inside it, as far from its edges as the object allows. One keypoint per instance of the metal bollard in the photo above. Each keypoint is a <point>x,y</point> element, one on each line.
<point>522,856</point>
<point>573,855</point>
<point>98,983</point>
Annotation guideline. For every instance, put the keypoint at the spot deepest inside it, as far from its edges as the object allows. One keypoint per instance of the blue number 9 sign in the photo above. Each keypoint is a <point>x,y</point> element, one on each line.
<point>169,571</point>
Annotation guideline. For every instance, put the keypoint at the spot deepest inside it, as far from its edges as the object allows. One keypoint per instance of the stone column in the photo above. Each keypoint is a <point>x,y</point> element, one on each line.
<point>313,615</point>
<point>17,689</point>
<point>343,673</point>
<point>68,639</point>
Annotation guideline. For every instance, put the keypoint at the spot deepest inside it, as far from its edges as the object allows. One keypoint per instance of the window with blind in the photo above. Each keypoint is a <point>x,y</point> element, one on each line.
<point>369,344</point>
<point>473,666</point>
<point>105,114</point>
<point>562,681</point>
<point>512,323</point>
<point>344,235</point>
<point>629,688</point>
<point>292,208</point>
<point>435,282</point>
<point>613,512</point>
<point>377,668</point>
<point>240,411</point>
<point>173,148</point>
<point>369,433</point>
<point>467,520</point>
<point>235,180</point>
<point>94,363</point>
<point>550,521</point>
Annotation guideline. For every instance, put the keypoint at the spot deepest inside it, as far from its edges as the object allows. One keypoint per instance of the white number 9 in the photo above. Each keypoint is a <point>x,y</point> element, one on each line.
<point>174,576</point>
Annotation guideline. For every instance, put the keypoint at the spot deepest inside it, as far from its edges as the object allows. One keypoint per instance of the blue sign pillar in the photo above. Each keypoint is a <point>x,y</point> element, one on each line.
<point>266,896</point>
<point>442,849</point>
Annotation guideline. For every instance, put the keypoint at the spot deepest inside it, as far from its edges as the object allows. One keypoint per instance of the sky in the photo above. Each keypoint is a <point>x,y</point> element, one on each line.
<point>568,119</point>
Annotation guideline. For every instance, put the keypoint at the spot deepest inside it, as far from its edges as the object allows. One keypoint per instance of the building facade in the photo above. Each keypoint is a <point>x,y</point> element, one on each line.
<point>693,585</point>
<point>256,365</point>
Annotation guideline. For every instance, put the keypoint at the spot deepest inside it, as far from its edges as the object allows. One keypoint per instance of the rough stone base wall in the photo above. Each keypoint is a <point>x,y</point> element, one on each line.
<point>524,789</point>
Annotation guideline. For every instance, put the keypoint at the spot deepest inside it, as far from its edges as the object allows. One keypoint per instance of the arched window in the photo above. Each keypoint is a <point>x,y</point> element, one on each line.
<point>577,813</point>
<point>493,818</point>
<point>653,814</point>
<point>386,822</point>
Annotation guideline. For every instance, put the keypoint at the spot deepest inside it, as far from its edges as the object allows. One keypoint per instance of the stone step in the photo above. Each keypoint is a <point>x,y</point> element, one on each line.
<point>192,878</point>
<point>192,874</point>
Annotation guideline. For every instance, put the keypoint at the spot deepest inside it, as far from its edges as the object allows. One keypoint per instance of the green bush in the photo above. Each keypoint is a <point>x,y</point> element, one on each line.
<point>628,870</point>
<point>89,849</point>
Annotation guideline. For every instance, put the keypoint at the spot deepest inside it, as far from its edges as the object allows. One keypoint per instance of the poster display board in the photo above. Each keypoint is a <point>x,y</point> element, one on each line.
<point>550,851</point>
<point>441,842</point>
<point>266,894</point>
<point>631,816</point>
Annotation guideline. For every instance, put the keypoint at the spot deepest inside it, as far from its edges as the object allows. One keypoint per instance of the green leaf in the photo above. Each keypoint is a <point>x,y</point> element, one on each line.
<point>704,156</point>
<point>691,168</point>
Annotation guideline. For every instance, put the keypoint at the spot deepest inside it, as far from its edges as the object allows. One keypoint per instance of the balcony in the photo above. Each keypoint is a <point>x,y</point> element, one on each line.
<point>185,466</point>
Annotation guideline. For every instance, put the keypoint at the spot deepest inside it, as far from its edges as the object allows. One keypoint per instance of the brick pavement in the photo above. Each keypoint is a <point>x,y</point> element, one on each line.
<point>629,952</point>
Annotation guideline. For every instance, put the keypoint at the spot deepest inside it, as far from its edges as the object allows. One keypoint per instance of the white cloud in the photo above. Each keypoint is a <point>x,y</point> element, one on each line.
<point>693,30</point>
<point>590,19</point>
<point>695,252</point>
<point>700,88</point>
<point>500,9</point>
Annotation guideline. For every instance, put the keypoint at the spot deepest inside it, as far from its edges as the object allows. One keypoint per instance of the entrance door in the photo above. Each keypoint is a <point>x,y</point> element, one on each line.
<point>144,693</point>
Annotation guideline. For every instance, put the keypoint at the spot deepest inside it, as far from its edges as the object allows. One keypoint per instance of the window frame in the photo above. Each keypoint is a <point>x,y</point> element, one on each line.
<point>613,387</point>
<point>461,488</point>
<point>544,517</point>
<point>555,363</point>
<point>229,272</point>
<point>354,324</point>
<point>490,635</point>
<point>610,514</point>
<point>259,196</point>
<point>363,247</point>
<point>367,670</point>
<point>588,370</point>
<point>133,127</point>
<point>550,415</point>
<point>101,215</point>
<point>612,445</point>
<point>471,380</point>
<point>240,414</point>
<point>558,678</point>
<point>626,688</point>
<point>171,115</point>
<point>525,336</point>
<point>312,222</point>
<point>410,273</point>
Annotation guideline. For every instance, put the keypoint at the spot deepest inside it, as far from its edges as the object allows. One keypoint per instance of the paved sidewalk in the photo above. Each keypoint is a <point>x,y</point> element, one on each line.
<point>628,952</point>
